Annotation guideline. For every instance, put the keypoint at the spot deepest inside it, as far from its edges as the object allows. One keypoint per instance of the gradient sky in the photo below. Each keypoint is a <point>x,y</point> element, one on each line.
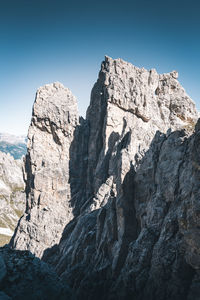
<point>46,41</point>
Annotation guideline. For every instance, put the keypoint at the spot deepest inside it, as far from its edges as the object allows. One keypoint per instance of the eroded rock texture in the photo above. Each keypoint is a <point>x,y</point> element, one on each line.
<point>47,169</point>
<point>132,182</point>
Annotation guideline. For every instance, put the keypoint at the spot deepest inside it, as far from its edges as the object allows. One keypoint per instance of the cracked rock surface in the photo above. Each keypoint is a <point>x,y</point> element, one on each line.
<point>50,135</point>
<point>122,220</point>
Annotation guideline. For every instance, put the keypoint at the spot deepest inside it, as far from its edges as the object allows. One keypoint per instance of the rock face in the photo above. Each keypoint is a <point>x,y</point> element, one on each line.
<point>129,176</point>
<point>48,191</point>
<point>12,196</point>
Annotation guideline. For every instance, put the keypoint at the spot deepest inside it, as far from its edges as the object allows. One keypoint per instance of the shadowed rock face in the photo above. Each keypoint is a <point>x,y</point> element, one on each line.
<point>129,176</point>
<point>23,276</point>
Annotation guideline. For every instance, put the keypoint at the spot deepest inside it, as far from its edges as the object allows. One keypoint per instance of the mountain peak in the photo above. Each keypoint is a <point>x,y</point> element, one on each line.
<point>113,200</point>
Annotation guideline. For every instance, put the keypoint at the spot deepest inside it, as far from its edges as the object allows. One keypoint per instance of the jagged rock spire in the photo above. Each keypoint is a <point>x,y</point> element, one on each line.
<point>51,132</point>
<point>134,202</point>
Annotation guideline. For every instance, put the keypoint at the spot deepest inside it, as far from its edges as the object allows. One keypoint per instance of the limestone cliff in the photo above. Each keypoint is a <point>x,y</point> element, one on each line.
<point>50,135</point>
<point>122,185</point>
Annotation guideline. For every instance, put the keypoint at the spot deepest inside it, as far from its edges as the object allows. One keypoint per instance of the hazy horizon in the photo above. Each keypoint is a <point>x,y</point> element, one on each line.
<point>66,41</point>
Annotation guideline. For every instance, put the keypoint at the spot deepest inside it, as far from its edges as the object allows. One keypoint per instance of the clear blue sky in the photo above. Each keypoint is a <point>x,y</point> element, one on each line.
<point>46,41</point>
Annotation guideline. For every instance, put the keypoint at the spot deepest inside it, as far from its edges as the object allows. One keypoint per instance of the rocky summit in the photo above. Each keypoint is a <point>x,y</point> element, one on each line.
<point>112,201</point>
<point>47,178</point>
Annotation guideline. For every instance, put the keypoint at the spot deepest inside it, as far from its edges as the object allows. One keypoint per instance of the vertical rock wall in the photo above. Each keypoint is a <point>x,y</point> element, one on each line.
<point>121,190</point>
<point>140,126</point>
<point>48,190</point>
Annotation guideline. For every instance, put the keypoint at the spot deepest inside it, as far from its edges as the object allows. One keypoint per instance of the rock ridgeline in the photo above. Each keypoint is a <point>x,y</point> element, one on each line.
<point>113,200</point>
<point>12,196</point>
<point>15,145</point>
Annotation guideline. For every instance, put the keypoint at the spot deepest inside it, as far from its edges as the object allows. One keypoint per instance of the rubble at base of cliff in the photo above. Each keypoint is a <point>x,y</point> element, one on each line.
<point>24,276</point>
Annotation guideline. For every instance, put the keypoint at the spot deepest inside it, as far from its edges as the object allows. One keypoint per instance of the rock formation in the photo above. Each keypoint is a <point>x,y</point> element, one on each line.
<point>50,135</point>
<point>12,196</point>
<point>121,187</point>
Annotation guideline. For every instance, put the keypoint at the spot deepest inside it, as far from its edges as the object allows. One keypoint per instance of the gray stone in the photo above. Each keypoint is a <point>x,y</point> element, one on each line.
<point>50,135</point>
<point>35,281</point>
<point>3,270</point>
<point>129,226</point>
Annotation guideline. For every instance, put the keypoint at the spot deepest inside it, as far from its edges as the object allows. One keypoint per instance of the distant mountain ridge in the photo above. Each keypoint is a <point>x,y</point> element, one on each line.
<point>13,139</point>
<point>15,145</point>
<point>12,195</point>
